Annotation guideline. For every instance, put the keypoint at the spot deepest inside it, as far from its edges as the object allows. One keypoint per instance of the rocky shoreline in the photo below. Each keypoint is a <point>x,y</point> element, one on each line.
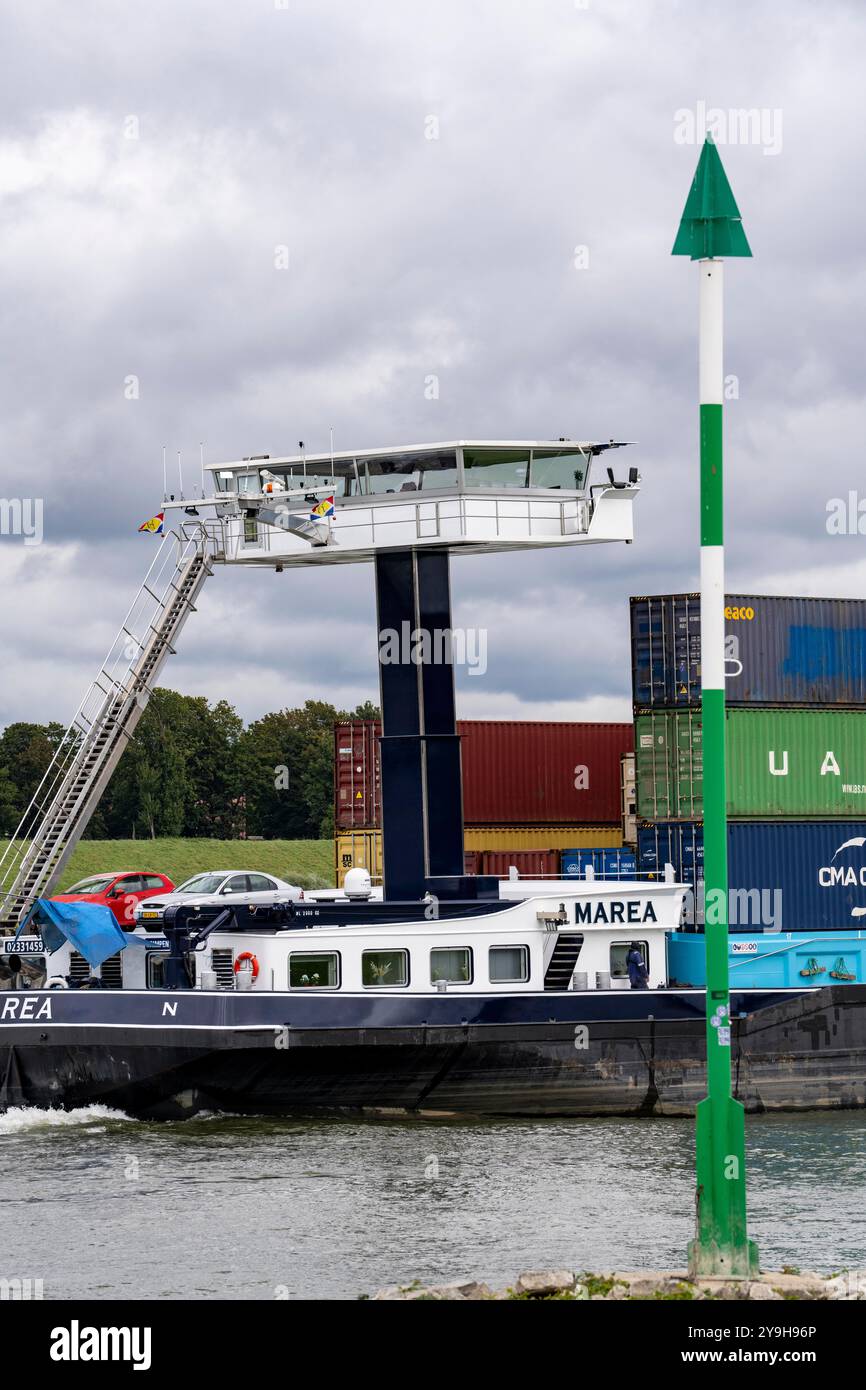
<point>566,1285</point>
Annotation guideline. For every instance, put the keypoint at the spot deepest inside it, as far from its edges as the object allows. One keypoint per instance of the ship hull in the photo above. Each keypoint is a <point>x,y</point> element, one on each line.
<point>169,1055</point>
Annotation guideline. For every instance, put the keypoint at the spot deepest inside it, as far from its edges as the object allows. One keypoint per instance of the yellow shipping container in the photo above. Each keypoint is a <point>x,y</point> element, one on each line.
<point>358,849</point>
<point>363,848</point>
<point>483,837</point>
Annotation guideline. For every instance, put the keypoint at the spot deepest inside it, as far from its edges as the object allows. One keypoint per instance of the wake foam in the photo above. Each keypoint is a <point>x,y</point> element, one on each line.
<point>20,1119</point>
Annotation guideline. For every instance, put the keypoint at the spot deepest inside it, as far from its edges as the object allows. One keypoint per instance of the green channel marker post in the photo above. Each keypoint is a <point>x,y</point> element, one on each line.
<point>711,229</point>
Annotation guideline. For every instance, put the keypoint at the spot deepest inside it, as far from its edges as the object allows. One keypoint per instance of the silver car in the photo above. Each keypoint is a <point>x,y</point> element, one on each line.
<point>222,887</point>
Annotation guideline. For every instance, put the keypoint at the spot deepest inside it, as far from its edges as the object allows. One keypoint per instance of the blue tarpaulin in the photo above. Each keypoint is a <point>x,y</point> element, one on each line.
<point>90,928</point>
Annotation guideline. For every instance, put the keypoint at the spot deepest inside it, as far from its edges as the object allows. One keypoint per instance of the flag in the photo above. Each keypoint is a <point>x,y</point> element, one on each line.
<point>155,525</point>
<point>322,509</point>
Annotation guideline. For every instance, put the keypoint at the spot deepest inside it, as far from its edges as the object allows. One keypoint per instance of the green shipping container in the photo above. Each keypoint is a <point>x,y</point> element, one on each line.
<point>782,763</point>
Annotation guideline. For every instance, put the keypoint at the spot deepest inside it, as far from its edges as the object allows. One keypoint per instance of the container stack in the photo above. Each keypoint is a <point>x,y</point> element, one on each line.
<point>535,794</point>
<point>796,755</point>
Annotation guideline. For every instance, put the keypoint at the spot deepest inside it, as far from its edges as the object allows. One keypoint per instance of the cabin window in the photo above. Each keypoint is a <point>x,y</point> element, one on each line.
<point>22,972</point>
<point>405,473</point>
<point>509,964</point>
<point>314,971</point>
<point>496,468</point>
<point>251,529</point>
<point>381,969</point>
<point>618,957</point>
<point>451,963</point>
<point>155,970</point>
<point>558,468</point>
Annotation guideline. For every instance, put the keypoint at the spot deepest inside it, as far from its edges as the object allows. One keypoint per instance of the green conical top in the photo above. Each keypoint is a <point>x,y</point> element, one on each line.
<point>711,225</point>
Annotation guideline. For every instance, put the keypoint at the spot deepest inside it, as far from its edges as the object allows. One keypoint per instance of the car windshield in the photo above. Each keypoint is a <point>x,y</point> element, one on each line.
<point>202,883</point>
<point>90,885</point>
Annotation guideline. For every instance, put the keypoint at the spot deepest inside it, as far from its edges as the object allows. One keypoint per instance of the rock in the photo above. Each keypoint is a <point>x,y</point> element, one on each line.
<point>794,1285</point>
<point>465,1289</point>
<point>472,1289</point>
<point>850,1285</point>
<point>758,1292</point>
<point>647,1286</point>
<point>726,1290</point>
<point>543,1283</point>
<point>618,1291</point>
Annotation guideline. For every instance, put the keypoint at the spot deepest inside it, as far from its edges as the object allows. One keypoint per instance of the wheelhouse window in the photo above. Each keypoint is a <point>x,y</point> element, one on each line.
<point>452,963</point>
<point>405,473</point>
<point>559,468</point>
<point>496,468</point>
<point>309,970</point>
<point>619,957</point>
<point>251,529</point>
<point>296,479</point>
<point>509,964</point>
<point>384,969</point>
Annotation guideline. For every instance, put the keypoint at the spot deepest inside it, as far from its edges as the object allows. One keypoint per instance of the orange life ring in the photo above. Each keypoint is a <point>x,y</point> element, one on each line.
<point>248,955</point>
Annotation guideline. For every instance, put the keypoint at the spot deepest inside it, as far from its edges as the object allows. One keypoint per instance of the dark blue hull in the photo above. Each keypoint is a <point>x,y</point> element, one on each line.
<point>165,1054</point>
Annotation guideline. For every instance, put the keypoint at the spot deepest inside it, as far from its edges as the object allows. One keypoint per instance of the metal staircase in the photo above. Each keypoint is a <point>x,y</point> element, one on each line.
<point>104,723</point>
<point>561,965</point>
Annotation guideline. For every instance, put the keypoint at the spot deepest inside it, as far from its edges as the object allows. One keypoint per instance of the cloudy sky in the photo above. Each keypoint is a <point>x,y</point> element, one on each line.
<point>152,157</point>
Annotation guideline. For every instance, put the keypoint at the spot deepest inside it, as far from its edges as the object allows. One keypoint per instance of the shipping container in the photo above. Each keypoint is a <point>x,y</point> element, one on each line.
<point>679,843</point>
<point>358,849</point>
<point>783,875</point>
<point>357,780</point>
<point>363,848</point>
<point>482,837</point>
<point>605,863</point>
<point>514,773</point>
<point>778,651</point>
<point>529,863</point>
<point>524,773</point>
<point>791,763</point>
<point>669,765</point>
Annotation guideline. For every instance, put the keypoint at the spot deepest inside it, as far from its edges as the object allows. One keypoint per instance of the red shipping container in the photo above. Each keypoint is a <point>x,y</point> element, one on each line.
<point>529,863</point>
<point>515,772</point>
<point>470,861</point>
<point>357,781</point>
<point>534,773</point>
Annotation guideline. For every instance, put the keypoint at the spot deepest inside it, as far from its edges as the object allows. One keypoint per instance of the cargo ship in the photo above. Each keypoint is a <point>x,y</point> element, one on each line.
<point>450,992</point>
<point>515,1001</point>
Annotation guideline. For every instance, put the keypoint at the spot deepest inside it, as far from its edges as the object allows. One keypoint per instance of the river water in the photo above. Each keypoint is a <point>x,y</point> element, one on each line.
<point>100,1206</point>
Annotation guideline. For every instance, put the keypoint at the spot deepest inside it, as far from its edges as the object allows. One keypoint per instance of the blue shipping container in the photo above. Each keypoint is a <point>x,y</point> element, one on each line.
<point>791,876</point>
<point>785,961</point>
<point>778,651</point>
<point>605,863</point>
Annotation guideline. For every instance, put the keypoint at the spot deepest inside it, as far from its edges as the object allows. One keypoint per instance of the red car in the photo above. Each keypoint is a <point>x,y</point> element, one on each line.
<point>120,891</point>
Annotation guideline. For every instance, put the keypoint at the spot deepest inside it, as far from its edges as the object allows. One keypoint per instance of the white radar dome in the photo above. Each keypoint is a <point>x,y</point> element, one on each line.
<point>357,883</point>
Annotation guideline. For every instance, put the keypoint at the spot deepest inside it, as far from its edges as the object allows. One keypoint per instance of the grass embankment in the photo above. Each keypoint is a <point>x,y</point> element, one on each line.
<point>309,863</point>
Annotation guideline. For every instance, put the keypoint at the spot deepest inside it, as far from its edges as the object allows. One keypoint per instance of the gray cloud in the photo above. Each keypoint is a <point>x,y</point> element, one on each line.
<point>260,127</point>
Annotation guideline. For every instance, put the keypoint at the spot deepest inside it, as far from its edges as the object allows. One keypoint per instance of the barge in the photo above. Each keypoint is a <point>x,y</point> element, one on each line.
<point>513,1005</point>
<point>449,993</point>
